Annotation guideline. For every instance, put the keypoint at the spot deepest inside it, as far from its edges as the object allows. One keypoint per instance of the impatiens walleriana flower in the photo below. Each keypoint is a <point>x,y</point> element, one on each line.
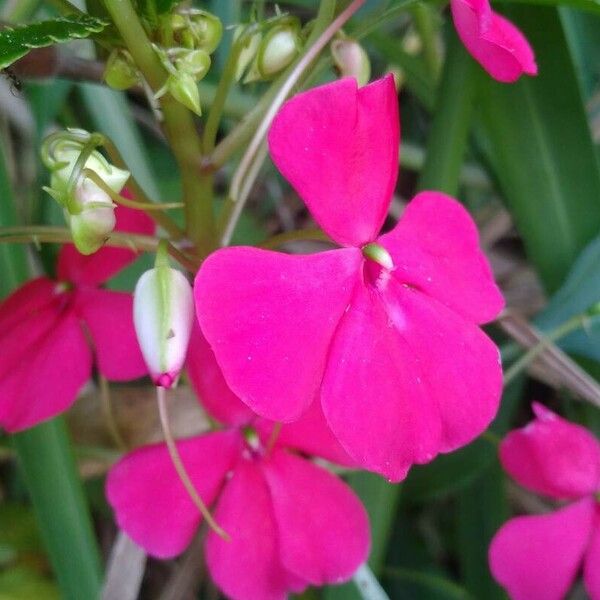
<point>291,523</point>
<point>493,41</point>
<point>383,333</point>
<point>51,331</point>
<point>538,557</point>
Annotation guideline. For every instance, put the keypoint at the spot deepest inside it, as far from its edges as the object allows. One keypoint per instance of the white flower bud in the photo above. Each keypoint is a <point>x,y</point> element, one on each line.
<point>93,217</point>
<point>163,314</point>
<point>351,60</point>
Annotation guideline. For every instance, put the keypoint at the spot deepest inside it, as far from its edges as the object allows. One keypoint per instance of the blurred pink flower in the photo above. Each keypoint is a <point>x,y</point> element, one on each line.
<point>392,352</point>
<point>52,331</point>
<point>493,41</point>
<point>537,557</point>
<point>291,523</point>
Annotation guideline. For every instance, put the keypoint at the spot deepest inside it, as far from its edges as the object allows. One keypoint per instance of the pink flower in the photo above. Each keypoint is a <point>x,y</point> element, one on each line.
<point>537,557</point>
<point>393,353</point>
<point>52,331</point>
<point>291,523</point>
<point>493,41</point>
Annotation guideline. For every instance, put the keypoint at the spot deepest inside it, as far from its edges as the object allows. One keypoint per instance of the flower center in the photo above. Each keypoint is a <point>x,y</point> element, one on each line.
<point>253,447</point>
<point>378,266</point>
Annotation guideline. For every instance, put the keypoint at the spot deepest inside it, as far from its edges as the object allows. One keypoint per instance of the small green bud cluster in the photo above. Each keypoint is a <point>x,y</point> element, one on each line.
<point>187,38</point>
<point>82,181</point>
<point>267,48</point>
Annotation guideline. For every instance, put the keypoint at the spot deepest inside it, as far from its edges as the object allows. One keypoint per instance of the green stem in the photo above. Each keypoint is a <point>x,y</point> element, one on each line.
<point>47,460</point>
<point>452,120</point>
<point>572,324</point>
<point>424,18</point>
<point>179,127</point>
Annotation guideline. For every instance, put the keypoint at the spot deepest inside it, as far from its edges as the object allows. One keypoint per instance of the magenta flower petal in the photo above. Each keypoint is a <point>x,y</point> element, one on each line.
<point>309,434</point>
<point>552,456</point>
<point>373,394</point>
<point>45,362</point>
<point>500,48</point>
<point>338,147</point>
<point>537,557</point>
<point>248,566</point>
<point>435,248</point>
<point>323,528</point>
<point>149,500</point>
<point>25,302</point>
<point>102,265</point>
<point>270,318</point>
<point>408,378</point>
<point>591,570</point>
<point>108,316</point>
<point>210,386</point>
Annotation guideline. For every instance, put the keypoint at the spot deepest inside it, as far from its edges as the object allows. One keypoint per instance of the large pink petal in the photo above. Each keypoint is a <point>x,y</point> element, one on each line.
<point>591,567</point>
<point>26,301</point>
<point>435,248</point>
<point>338,146</point>
<point>269,317</point>
<point>108,316</point>
<point>500,48</point>
<point>537,557</point>
<point>374,393</point>
<point>102,265</point>
<point>311,435</point>
<point>149,500</point>
<point>248,566</point>
<point>552,456</point>
<point>210,386</point>
<point>44,363</point>
<point>323,528</point>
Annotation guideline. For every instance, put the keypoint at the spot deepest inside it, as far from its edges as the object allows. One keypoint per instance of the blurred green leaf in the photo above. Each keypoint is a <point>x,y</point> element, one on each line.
<point>21,583</point>
<point>580,291</point>
<point>542,152</point>
<point>17,42</point>
<point>427,585</point>
<point>586,5</point>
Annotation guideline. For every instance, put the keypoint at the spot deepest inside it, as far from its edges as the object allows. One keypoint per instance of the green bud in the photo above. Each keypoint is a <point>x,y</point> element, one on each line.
<point>278,49</point>
<point>194,62</point>
<point>92,219</point>
<point>184,89</point>
<point>207,30</point>
<point>120,72</point>
<point>351,60</point>
<point>378,254</point>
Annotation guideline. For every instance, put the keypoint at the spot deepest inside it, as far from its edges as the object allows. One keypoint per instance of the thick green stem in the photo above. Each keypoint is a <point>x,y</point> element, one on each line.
<point>47,460</point>
<point>452,120</point>
<point>179,127</point>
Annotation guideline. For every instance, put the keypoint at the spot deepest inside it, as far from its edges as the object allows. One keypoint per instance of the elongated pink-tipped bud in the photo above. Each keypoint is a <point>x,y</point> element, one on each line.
<point>163,314</point>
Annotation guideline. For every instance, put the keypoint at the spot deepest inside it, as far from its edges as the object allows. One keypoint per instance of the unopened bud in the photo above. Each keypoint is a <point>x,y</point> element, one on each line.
<point>278,49</point>
<point>351,60</point>
<point>91,217</point>
<point>184,89</point>
<point>120,72</point>
<point>194,62</point>
<point>163,314</point>
<point>207,30</point>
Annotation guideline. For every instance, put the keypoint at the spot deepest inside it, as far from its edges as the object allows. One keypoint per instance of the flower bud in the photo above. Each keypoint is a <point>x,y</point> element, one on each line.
<point>183,87</point>
<point>91,217</point>
<point>120,72</point>
<point>163,314</point>
<point>351,60</point>
<point>194,62</point>
<point>207,30</point>
<point>64,155</point>
<point>277,50</point>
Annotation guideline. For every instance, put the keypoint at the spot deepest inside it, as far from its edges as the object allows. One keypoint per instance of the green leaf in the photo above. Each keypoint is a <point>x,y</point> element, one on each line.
<point>17,42</point>
<point>580,291</point>
<point>542,152</point>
